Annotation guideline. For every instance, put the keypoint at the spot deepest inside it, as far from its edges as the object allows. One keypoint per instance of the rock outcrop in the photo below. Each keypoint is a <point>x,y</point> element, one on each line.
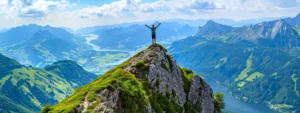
<point>149,82</point>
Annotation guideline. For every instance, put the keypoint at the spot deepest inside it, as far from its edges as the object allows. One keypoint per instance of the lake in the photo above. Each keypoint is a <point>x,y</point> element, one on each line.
<point>235,105</point>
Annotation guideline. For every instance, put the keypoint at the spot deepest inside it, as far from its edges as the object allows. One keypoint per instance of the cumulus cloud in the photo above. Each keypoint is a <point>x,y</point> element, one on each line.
<point>285,3</point>
<point>35,8</point>
<point>180,6</point>
<point>3,2</point>
<point>119,8</point>
<point>124,7</point>
<point>57,11</point>
<point>159,5</point>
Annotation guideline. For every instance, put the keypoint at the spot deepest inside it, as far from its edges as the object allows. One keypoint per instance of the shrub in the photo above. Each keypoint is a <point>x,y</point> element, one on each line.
<point>47,108</point>
<point>219,102</point>
<point>188,107</point>
<point>170,61</point>
<point>165,66</point>
<point>142,65</point>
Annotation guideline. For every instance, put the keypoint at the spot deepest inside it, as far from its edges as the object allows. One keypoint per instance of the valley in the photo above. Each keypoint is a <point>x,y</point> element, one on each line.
<point>256,63</point>
<point>149,56</point>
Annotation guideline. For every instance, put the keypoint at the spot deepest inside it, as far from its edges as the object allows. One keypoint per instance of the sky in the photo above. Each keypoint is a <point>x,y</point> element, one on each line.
<point>84,13</point>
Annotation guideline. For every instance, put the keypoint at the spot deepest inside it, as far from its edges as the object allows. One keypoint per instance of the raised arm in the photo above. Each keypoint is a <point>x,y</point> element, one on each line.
<point>147,26</point>
<point>157,25</point>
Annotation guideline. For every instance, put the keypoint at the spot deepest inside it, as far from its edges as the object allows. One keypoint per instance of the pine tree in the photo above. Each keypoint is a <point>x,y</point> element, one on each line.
<point>219,102</point>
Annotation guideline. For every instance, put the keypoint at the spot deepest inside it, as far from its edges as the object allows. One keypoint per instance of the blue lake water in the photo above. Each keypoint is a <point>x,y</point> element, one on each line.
<point>238,106</point>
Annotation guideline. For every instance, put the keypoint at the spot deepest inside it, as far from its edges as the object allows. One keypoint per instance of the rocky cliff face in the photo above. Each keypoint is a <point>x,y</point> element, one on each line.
<point>149,82</point>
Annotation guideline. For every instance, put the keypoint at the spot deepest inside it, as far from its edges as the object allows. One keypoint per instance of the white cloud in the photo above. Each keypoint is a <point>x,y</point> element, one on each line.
<point>2,2</point>
<point>56,12</point>
<point>35,8</point>
<point>119,8</point>
<point>159,5</point>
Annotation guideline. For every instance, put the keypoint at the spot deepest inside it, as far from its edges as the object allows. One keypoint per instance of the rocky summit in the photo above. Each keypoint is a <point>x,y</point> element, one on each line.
<point>149,82</point>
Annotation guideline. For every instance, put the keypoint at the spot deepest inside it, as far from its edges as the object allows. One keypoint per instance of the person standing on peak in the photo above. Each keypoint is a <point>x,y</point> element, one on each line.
<point>153,32</point>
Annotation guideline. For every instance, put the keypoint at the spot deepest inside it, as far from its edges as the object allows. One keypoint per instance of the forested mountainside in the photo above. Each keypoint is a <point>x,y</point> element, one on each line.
<point>258,63</point>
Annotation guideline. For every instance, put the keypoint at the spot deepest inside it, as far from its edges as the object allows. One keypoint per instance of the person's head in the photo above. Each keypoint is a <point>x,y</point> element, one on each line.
<point>152,25</point>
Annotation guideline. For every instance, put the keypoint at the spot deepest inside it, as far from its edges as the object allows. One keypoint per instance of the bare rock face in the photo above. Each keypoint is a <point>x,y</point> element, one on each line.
<point>168,87</point>
<point>201,93</point>
<point>163,69</point>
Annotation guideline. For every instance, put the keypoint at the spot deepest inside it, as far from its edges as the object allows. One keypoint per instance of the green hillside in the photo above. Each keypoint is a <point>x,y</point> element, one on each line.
<point>136,87</point>
<point>41,46</point>
<point>256,65</point>
<point>27,89</point>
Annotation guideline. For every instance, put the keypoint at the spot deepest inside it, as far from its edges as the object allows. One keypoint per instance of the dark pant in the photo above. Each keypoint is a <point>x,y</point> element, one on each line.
<point>153,38</point>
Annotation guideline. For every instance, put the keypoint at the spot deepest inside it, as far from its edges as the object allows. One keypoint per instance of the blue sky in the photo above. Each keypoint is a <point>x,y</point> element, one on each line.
<point>83,13</point>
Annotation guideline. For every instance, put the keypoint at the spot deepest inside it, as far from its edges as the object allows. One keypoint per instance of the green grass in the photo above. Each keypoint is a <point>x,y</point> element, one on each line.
<point>169,57</point>
<point>241,84</point>
<point>254,76</point>
<point>143,66</point>
<point>45,53</point>
<point>165,66</point>
<point>161,103</point>
<point>297,29</point>
<point>221,62</point>
<point>151,47</point>
<point>286,64</point>
<point>132,91</point>
<point>295,79</point>
<point>244,73</point>
<point>27,81</point>
<point>282,107</point>
<point>187,76</point>
<point>200,43</point>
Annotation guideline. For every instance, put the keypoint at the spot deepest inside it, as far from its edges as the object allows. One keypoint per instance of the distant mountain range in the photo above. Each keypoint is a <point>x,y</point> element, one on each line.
<point>294,21</point>
<point>43,45</point>
<point>38,45</point>
<point>135,36</point>
<point>192,23</point>
<point>257,63</point>
<point>228,22</point>
<point>28,89</point>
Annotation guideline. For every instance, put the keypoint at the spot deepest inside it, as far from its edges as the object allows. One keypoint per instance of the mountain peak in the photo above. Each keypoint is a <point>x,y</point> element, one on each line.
<point>294,21</point>
<point>298,16</point>
<point>150,81</point>
<point>210,22</point>
<point>67,68</point>
<point>43,34</point>
<point>277,34</point>
<point>213,29</point>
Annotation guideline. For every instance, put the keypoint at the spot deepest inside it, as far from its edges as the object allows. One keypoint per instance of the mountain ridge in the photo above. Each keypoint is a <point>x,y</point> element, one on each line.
<point>257,63</point>
<point>295,21</point>
<point>27,89</point>
<point>213,29</point>
<point>148,82</point>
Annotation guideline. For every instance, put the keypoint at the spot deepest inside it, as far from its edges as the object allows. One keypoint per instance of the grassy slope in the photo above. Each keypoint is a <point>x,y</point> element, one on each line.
<point>271,70</point>
<point>31,88</point>
<point>244,73</point>
<point>115,78</point>
<point>135,93</point>
<point>28,82</point>
<point>298,30</point>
